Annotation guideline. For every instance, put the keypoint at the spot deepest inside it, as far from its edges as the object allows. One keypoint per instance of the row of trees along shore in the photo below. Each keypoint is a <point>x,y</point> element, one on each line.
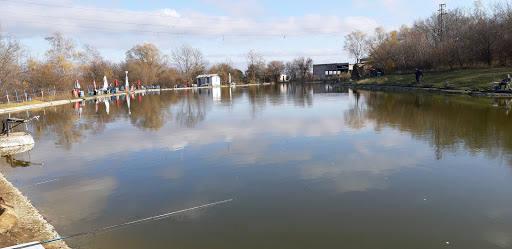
<point>453,39</point>
<point>66,62</point>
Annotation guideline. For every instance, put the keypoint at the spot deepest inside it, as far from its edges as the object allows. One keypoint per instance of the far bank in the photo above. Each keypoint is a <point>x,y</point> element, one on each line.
<point>467,80</point>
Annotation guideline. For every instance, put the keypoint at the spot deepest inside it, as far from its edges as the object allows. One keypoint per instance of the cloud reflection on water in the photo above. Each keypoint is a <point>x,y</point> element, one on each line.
<point>81,200</point>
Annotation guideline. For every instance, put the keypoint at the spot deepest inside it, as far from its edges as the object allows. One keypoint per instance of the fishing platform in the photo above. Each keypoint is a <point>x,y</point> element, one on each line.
<point>8,138</point>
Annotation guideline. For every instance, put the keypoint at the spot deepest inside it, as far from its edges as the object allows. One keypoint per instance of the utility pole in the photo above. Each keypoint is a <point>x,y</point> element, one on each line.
<point>442,12</point>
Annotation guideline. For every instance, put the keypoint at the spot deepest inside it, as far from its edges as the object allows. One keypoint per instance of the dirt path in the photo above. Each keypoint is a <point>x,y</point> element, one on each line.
<point>31,226</point>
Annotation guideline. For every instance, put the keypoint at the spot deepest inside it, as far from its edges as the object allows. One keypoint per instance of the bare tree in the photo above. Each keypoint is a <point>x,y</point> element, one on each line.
<point>93,66</point>
<point>189,61</point>
<point>275,69</point>
<point>356,44</point>
<point>255,65</point>
<point>291,71</point>
<point>303,67</point>
<point>11,53</point>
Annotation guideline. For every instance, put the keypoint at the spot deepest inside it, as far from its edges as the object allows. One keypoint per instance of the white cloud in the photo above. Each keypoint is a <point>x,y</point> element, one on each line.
<point>239,8</point>
<point>399,8</point>
<point>79,200</point>
<point>111,29</point>
<point>359,170</point>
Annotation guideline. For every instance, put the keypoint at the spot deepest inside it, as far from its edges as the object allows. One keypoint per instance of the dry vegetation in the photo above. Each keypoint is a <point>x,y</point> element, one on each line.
<point>468,79</point>
<point>458,39</point>
<point>53,76</point>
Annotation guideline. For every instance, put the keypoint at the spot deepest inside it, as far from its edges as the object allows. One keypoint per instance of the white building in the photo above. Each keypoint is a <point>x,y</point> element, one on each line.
<point>284,78</point>
<point>208,80</point>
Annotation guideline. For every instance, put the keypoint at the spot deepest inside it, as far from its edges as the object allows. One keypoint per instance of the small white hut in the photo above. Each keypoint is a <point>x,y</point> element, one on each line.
<point>208,80</point>
<point>284,78</point>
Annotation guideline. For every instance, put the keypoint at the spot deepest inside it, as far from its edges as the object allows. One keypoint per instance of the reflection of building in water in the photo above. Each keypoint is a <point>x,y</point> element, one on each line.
<point>216,95</point>
<point>204,91</point>
<point>283,88</point>
<point>328,88</point>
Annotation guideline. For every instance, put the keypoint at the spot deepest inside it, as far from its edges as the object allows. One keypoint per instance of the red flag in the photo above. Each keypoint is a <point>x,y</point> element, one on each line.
<point>116,83</point>
<point>94,84</point>
<point>138,82</point>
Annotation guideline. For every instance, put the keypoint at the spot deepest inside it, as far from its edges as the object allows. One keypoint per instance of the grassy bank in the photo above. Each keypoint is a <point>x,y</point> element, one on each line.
<point>467,79</point>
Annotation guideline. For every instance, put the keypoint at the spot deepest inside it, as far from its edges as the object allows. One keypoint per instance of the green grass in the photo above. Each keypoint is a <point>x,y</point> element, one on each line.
<point>467,79</point>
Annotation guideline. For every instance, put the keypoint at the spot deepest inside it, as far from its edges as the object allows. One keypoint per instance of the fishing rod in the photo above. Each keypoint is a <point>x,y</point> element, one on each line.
<point>106,229</point>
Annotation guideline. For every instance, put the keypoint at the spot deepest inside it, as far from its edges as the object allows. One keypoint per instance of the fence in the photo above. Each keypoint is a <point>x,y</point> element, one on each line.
<point>42,94</point>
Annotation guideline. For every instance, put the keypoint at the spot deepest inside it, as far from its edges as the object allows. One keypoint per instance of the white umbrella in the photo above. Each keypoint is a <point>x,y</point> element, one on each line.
<point>126,88</point>
<point>105,83</point>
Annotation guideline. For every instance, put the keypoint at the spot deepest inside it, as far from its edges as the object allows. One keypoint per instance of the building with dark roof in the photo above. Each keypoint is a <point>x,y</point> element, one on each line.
<point>324,71</point>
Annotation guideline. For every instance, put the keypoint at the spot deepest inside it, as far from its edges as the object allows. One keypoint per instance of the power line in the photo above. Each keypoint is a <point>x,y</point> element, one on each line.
<point>171,33</point>
<point>223,19</point>
<point>149,24</point>
<point>126,224</point>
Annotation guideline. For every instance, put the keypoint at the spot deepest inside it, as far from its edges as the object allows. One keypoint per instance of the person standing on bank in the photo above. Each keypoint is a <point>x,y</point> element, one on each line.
<point>506,82</point>
<point>419,75</point>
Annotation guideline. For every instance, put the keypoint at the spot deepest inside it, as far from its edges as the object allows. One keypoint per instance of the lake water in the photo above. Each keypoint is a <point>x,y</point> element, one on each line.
<point>311,167</point>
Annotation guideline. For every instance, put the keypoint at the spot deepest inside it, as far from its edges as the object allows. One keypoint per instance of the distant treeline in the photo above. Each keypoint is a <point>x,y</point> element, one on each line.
<point>67,61</point>
<point>449,39</point>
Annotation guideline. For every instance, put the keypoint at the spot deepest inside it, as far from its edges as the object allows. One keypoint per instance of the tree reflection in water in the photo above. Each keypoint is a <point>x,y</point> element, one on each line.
<point>191,107</point>
<point>447,123</point>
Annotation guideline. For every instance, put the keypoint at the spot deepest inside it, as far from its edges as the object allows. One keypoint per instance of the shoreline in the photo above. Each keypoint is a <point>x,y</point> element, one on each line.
<point>31,225</point>
<point>402,89</point>
<point>67,101</point>
<point>371,87</point>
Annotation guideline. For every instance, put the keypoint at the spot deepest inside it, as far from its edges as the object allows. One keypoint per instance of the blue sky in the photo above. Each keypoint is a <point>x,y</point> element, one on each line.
<point>224,30</point>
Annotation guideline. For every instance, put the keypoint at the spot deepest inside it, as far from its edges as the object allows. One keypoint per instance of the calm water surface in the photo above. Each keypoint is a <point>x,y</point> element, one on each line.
<point>307,167</point>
